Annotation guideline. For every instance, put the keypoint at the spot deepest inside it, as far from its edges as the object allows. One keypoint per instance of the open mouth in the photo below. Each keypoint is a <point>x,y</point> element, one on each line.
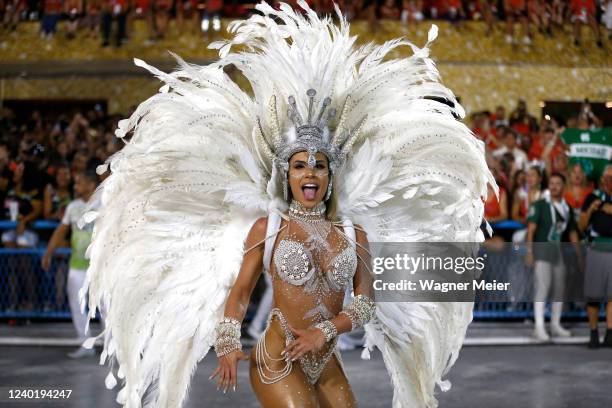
<point>310,191</point>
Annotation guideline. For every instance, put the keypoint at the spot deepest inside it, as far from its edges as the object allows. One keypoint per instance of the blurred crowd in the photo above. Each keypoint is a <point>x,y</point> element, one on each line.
<point>523,152</point>
<point>40,158</point>
<point>112,20</point>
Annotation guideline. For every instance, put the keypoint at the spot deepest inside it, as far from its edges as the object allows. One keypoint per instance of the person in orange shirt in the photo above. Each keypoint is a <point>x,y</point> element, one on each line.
<point>583,11</point>
<point>496,210</point>
<point>577,189</point>
<point>546,142</point>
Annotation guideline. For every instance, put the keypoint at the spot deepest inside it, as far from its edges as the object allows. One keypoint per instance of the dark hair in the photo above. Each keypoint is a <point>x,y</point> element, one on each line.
<point>557,174</point>
<point>90,175</point>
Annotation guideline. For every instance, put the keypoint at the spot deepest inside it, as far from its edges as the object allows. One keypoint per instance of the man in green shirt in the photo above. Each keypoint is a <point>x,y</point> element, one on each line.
<point>84,186</point>
<point>550,220</point>
<point>596,222</point>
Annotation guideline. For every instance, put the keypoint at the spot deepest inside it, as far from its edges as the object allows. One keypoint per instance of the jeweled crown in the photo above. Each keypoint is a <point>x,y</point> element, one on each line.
<point>310,128</point>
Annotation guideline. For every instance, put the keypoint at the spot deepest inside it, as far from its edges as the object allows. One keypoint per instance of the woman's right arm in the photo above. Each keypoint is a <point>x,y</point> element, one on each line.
<point>238,301</point>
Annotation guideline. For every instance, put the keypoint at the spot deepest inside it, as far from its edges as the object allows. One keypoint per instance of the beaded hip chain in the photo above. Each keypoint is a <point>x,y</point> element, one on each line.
<point>312,364</point>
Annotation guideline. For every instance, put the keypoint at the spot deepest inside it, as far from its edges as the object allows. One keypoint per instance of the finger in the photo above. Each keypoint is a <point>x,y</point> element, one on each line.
<point>215,373</point>
<point>228,379</point>
<point>289,347</point>
<point>234,377</point>
<point>296,332</point>
<point>221,378</point>
<point>298,352</point>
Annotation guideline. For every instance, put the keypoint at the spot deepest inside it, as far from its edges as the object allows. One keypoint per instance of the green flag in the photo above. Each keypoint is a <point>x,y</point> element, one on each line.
<point>592,149</point>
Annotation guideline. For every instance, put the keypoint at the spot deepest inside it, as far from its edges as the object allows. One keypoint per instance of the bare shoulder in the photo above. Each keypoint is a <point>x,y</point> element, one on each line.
<point>259,228</point>
<point>360,234</point>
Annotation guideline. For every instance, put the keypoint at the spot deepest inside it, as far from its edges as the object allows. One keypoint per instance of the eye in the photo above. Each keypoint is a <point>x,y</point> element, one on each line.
<point>298,166</point>
<point>320,166</point>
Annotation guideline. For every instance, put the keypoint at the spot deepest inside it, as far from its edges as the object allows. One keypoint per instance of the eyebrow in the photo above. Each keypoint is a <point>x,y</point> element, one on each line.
<point>303,162</point>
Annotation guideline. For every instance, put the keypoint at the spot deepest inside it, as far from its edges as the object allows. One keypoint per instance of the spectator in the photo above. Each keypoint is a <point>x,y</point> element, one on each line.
<point>596,223</point>
<point>187,14</point>
<point>586,119</point>
<point>141,10</point>
<point>496,210</point>
<point>558,9</point>
<point>23,204</point>
<point>51,15</point>
<point>606,18</point>
<point>516,10</point>
<point>509,145</point>
<point>74,11</point>
<point>5,172</point>
<point>526,195</point>
<point>161,16</point>
<point>412,11</point>
<point>85,185</point>
<point>12,12</point>
<point>92,18</point>
<point>488,9</point>
<point>550,221</point>
<point>522,122</point>
<point>539,12</point>
<point>499,118</point>
<point>79,161</point>
<point>114,10</point>
<point>578,189</point>
<point>545,144</point>
<point>213,10</point>
<point>453,11</point>
<point>583,12</point>
<point>57,195</point>
<point>389,10</point>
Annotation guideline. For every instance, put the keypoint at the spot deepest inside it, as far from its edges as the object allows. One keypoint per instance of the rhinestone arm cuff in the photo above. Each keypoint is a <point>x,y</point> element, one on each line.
<point>328,328</point>
<point>360,311</point>
<point>227,336</point>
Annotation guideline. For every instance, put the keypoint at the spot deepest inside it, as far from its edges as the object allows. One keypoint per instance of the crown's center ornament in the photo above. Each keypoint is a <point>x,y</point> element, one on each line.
<point>310,133</point>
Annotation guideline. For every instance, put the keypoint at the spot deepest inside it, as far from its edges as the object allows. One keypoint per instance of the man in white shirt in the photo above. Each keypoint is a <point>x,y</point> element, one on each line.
<point>84,186</point>
<point>509,146</point>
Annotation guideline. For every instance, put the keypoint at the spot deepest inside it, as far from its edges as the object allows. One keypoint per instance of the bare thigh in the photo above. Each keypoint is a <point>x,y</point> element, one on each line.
<point>293,391</point>
<point>333,388</point>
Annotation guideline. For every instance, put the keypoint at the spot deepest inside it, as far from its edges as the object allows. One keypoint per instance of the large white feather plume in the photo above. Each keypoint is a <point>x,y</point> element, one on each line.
<point>196,172</point>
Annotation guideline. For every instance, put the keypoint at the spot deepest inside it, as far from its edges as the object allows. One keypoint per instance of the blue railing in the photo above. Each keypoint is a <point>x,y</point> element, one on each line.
<point>27,291</point>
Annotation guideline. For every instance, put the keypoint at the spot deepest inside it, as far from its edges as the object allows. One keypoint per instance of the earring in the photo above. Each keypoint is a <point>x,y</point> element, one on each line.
<point>286,188</point>
<point>329,190</point>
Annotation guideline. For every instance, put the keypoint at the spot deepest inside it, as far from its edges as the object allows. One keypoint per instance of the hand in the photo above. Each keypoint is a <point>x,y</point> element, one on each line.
<point>227,369</point>
<point>529,261</point>
<point>594,205</point>
<point>46,261</point>
<point>21,226</point>
<point>306,340</point>
<point>607,208</point>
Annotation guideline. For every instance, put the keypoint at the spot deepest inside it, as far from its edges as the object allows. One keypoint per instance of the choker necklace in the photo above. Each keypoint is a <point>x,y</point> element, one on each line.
<point>298,211</point>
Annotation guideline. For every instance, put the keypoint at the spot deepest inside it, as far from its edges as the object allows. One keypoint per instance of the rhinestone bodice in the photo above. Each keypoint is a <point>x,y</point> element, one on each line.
<point>294,264</point>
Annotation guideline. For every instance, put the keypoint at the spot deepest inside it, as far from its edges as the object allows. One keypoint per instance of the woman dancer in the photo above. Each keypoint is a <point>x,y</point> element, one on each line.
<point>332,141</point>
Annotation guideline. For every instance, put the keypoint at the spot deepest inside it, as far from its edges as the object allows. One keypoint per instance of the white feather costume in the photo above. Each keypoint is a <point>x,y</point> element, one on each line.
<point>195,174</point>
